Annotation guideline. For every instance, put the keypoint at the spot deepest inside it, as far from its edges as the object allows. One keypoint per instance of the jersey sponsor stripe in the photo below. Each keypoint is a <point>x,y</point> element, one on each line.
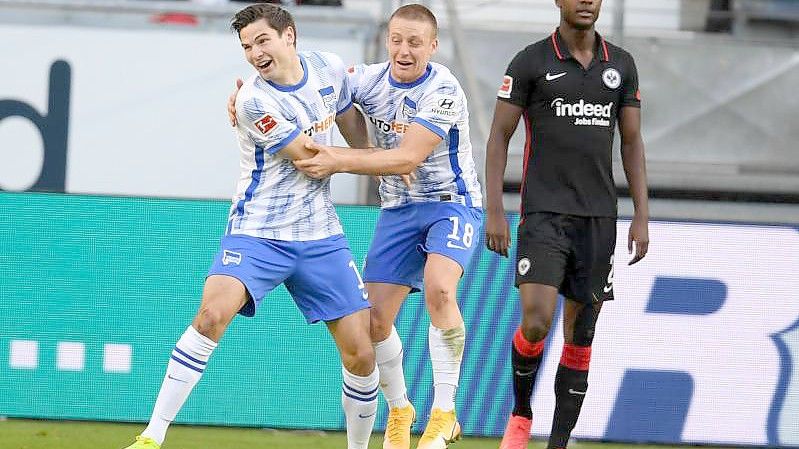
<point>454,140</point>
<point>255,179</point>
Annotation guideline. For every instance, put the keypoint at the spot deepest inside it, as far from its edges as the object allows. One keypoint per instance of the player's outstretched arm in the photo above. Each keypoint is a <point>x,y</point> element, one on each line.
<point>506,117</point>
<point>417,143</point>
<point>634,162</point>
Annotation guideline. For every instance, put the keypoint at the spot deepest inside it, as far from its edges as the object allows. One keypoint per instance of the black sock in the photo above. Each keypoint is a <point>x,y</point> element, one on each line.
<point>525,368</point>
<point>570,387</point>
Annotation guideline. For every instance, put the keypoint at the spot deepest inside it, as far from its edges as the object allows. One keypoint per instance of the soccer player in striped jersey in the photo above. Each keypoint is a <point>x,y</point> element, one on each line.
<point>426,233</point>
<point>280,217</point>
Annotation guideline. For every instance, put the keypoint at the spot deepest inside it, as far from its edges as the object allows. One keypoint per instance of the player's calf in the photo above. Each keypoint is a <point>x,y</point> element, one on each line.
<point>359,400</point>
<point>571,386</point>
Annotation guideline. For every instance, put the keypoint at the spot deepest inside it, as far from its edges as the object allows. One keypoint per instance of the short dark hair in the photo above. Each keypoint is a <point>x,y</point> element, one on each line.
<point>277,18</point>
<point>415,11</point>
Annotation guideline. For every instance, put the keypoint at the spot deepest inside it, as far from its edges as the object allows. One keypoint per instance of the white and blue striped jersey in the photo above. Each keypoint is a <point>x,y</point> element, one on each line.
<point>435,101</point>
<point>273,199</point>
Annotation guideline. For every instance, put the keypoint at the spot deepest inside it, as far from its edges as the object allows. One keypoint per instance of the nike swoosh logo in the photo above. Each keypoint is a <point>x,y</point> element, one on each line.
<point>365,416</point>
<point>576,392</point>
<point>551,77</point>
<point>607,288</point>
<point>176,379</point>
<point>519,373</point>
<point>452,245</point>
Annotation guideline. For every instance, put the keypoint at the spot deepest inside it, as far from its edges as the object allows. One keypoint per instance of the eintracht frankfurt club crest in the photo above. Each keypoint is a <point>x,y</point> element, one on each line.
<point>523,266</point>
<point>612,78</point>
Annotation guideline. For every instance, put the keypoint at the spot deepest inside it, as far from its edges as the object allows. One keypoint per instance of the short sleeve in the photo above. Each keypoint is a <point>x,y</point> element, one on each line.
<point>264,124</point>
<point>631,95</point>
<point>336,65</point>
<point>517,82</point>
<point>353,76</point>
<point>440,110</point>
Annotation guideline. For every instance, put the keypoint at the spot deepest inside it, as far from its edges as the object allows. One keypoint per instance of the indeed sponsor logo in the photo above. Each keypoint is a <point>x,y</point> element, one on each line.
<point>583,113</point>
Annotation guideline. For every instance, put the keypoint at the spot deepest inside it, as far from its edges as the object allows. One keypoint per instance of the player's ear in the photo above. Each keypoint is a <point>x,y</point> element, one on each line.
<point>434,45</point>
<point>291,36</point>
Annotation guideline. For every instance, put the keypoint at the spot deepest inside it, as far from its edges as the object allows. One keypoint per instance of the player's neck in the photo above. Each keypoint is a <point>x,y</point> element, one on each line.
<point>577,41</point>
<point>292,74</point>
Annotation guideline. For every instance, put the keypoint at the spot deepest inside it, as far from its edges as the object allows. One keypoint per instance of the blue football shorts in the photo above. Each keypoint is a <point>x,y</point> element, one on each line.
<point>406,234</point>
<point>320,275</point>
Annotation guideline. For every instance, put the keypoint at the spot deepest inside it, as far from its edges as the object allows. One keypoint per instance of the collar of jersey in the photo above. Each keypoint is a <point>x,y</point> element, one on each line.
<point>562,50</point>
<point>419,81</point>
<point>293,87</point>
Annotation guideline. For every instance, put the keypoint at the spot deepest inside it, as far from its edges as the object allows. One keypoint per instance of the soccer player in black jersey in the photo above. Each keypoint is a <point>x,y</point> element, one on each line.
<point>572,88</point>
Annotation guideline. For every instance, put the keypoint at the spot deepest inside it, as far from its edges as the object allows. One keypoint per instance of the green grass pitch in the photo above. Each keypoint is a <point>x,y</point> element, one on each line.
<point>31,434</point>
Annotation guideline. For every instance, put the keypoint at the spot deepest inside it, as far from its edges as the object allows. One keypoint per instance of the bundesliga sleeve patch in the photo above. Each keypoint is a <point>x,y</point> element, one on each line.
<point>506,88</point>
<point>266,124</point>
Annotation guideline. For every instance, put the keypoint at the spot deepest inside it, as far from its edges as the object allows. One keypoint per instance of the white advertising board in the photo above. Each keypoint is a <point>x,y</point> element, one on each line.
<point>127,112</point>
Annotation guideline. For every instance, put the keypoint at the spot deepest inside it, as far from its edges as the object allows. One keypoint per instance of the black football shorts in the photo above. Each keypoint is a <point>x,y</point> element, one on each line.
<point>572,253</point>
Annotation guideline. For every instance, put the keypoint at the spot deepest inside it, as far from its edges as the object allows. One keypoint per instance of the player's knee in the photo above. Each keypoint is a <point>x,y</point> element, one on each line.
<point>379,330</point>
<point>583,337</point>
<point>439,297</point>
<point>535,326</point>
<point>584,327</point>
<point>359,359</point>
<point>209,321</point>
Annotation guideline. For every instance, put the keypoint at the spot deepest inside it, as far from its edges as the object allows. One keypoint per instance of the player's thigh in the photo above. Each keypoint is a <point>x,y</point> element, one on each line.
<point>224,293</point>
<point>259,265</point>
<point>394,256</point>
<point>441,275</point>
<point>453,231</point>
<point>326,284</point>
<point>590,276</point>
<point>386,301</point>
<point>543,249</point>
<point>538,303</point>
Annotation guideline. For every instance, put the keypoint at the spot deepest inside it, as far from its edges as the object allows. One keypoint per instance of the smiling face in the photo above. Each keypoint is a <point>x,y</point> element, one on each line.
<point>410,43</point>
<point>579,14</point>
<point>270,52</point>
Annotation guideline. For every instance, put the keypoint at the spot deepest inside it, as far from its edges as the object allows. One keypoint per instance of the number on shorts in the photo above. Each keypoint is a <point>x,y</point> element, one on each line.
<point>360,280</point>
<point>468,232</point>
<point>609,283</point>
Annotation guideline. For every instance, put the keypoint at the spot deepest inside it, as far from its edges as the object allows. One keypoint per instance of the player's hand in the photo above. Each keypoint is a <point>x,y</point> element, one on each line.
<point>497,233</point>
<point>231,103</point>
<point>408,179</point>
<point>324,163</point>
<point>638,238</point>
